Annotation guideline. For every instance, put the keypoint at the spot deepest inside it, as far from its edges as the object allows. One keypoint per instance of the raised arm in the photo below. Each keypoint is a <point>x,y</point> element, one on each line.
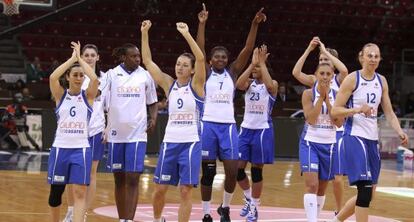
<point>271,85</point>
<point>199,77</point>
<point>340,66</point>
<point>389,113</point>
<point>237,66</point>
<point>244,81</point>
<point>311,111</point>
<point>55,88</point>
<point>92,90</point>
<point>201,31</point>
<point>305,79</point>
<point>162,79</point>
<point>345,91</point>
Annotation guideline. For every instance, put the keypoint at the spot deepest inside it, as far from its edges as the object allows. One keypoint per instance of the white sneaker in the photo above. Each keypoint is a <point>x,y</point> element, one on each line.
<point>68,217</point>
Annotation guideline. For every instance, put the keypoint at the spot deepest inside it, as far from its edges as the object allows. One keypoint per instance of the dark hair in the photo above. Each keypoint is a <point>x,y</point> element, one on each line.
<point>118,52</point>
<point>219,48</point>
<point>190,56</point>
<point>63,82</point>
<point>97,65</point>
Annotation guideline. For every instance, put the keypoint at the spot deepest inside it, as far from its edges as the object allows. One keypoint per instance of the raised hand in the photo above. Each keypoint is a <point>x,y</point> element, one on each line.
<point>203,14</point>
<point>260,16</point>
<point>321,46</point>
<point>76,50</point>
<point>324,89</point>
<point>255,57</point>
<point>182,27</point>
<point>262,54</point>
<point>404,138</point>
<point>146,25</point>
<point>313,43</point>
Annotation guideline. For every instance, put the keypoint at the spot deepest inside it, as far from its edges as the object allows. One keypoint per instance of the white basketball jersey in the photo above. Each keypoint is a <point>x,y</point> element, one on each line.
<point>97,122</point>
<point>184,114</point>
<point>73,114</point>
<point>366,92</point>
<point>258,107</point>
<point>130,93</point>
<point>219,106</point>
<point>335,86</point>
<point>323,131</point>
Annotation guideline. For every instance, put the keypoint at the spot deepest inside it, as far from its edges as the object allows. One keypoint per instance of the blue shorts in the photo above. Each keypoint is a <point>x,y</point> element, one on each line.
<point>97,146</point>
<point>178,163</point>
<point>338,158</point>
<point>69,166</point>
<point>257,145</point>
<point>219,140</point>
<point>362,159</point>
<point>126,157</point>
<point>316,157</point>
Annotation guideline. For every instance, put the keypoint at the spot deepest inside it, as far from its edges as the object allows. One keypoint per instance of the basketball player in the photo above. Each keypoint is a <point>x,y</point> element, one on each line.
<point>219,133</point>
<point>180,152</point>
<point>358,99</point>
<point>330,56</point>
<point>256,138</point>
<point>130,90</point>
<point>70,158</point>
<point>317,140</point>
<point>96,126</point>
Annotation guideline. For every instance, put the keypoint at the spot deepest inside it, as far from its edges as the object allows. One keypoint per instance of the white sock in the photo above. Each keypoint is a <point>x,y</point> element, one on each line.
<point>158,220</point>
<point>227,199</point>
<point>248,193</point>
<point>310,202</point>
<point>321,202</point>
<point>206,207</point>
<point>255,202</point>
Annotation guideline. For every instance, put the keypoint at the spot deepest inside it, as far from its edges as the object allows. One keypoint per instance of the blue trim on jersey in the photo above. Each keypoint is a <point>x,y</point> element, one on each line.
<point>357,81</point>
<point>336,80</point>
<point>198,98</point>
<point>171,87</point>
<point>83,93</point>
<point>379,80</point>
<point>61,101</point>
<point>368,80</point>
<point>122,65</point>
<point>349,120</point>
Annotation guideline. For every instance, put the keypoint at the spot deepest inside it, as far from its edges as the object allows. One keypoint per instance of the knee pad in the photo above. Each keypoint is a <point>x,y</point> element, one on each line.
<point>55,196</point>
<point>241,175</point>
<point>256,174</point>
<point>209,171</point>
<point>364,193</point>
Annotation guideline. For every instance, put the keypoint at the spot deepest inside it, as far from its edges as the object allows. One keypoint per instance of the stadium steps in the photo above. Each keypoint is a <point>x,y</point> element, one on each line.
<point>11,60</point>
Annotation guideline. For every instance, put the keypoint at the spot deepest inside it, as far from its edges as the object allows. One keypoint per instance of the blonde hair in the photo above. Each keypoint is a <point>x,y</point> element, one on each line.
<point>361,53</point>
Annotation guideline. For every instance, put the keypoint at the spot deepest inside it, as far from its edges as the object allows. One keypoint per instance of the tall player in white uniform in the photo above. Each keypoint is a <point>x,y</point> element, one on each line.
<point>358,99</point>
<point>256,138</point>
<point>180,152</point>
<point>90,54</point>
<point>317,141</point>
<point>130,90</point>
<point>219,133</point>
<point>330,56</point>
<point>70,157</point>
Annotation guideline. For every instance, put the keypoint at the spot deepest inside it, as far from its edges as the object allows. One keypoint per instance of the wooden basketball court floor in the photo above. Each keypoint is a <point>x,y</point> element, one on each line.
<point>24,192</point>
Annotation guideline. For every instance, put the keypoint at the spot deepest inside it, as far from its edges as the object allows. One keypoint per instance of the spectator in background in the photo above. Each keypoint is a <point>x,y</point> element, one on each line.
<point>17,86</point>
<point>34,71</point>
<point>53,66</point>
<point>162,101</point>
<point>26,94</point>
<point>3,84</point>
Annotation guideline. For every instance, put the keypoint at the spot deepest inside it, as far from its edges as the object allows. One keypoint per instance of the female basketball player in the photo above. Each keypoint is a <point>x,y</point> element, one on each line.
<point>256,138</point>
<point>219,134</point>
<point>330,56</point>
<point>70,157</point>
<point>318,138</point>
<point>180,153</point>
<point>130,90</point>
<point>96,126</point>
<point>362,92</point>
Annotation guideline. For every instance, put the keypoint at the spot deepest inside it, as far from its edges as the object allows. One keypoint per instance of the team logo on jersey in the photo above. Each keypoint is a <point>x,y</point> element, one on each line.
<point>204,153</point>
<point>128,91</point>
<point>117,166</point>
<point>175,88</point>
<point>220,98</point>
<point>68,98</point>
<point>314,166</point>
<point>364,84</point>
<point>119,74</point>
<point>79,98</point>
